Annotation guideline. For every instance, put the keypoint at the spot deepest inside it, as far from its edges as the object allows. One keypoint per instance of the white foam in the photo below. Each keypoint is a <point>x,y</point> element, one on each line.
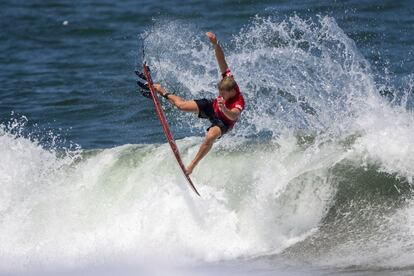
<point>119,204</point>
<point>258,197</point>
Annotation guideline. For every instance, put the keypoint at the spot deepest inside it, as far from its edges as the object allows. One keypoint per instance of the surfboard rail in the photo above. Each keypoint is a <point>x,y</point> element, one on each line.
<point>166,127</point>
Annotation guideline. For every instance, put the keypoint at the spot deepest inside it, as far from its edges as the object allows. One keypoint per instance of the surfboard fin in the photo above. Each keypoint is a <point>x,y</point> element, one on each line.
<point>144,90</point>
<point>140,75</point>
<point>143,86</point>
<point>146,94</point>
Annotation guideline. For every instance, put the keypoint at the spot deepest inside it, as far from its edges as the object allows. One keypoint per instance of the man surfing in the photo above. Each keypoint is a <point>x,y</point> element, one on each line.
<point>222,112</point>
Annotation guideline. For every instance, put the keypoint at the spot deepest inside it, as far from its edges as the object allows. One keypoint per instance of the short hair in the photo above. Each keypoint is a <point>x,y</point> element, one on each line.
<point>227,83</point>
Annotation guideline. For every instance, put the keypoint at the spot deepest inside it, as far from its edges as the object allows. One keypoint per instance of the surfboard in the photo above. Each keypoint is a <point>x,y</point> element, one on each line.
<point>166,127</point>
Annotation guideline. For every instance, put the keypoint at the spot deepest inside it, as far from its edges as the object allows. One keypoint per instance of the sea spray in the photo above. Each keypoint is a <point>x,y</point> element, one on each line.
<point>303,175</point>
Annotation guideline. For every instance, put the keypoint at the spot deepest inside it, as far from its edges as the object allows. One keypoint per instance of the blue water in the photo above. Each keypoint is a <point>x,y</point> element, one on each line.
<point>316,177</point>
<point>79,77</point>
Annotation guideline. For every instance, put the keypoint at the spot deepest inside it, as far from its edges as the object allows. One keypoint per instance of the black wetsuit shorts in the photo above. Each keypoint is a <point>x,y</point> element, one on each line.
<point>206,111</point>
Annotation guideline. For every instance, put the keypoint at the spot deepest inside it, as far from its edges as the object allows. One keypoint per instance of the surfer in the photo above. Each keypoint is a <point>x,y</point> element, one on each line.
<point>222,112</point>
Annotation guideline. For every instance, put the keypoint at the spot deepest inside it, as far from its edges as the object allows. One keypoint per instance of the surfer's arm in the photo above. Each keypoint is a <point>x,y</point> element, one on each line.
<point>233,114</point>
<point>221,60</point>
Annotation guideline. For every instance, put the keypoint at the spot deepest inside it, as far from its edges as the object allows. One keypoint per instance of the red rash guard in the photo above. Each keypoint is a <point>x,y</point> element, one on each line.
<point>235,102</point>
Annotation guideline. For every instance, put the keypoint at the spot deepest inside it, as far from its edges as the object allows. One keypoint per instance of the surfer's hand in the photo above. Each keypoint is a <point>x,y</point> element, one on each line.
<point>220,102</point>
<point>212,37</point>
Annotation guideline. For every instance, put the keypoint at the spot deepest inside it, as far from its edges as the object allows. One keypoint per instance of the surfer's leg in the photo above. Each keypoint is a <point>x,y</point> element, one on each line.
<point>178,102</point>
<point>183,105</point>
<point>213,133</point>
<point>186,106</point>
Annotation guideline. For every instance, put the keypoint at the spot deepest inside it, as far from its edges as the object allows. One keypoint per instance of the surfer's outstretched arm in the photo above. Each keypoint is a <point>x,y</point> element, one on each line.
<point>221,60</point>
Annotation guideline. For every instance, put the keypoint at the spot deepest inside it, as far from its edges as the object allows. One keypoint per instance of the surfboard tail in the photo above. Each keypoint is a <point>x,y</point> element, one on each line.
<point>165,126</point>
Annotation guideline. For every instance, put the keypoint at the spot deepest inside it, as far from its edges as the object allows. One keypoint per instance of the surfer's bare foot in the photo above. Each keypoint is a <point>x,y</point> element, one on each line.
<point>189,169</point>
<point>160,90</point>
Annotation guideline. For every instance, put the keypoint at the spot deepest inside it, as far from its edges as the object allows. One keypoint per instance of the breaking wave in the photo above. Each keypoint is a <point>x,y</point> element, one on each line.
<point>319,169</point>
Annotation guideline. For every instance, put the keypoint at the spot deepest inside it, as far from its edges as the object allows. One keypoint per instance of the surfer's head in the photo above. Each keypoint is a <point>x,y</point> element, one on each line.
<point>227,87</point>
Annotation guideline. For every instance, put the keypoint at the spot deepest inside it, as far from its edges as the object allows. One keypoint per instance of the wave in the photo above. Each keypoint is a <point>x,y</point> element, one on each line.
<point>319,169</point>
<point>127,200</point>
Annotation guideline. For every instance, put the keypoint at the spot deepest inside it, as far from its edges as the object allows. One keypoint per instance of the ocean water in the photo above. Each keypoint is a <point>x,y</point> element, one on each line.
<point>315,179</point>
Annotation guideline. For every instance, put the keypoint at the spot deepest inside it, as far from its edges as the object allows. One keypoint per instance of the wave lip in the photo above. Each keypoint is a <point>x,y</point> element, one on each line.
<point>320,172</point>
